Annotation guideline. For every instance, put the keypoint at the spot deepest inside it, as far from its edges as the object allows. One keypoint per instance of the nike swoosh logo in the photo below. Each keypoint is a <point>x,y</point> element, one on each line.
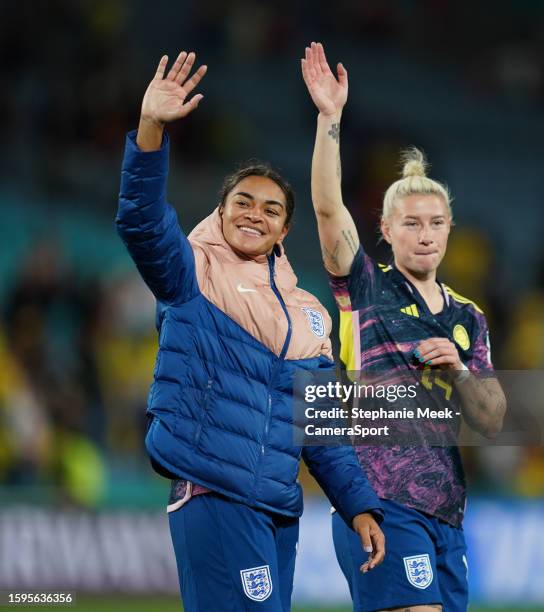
<point>242,289</point>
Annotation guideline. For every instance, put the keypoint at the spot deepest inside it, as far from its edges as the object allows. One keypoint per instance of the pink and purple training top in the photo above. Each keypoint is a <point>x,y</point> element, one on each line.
<point>383,318</point>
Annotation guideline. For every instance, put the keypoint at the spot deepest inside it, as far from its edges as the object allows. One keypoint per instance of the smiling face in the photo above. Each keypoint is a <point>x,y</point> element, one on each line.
<point>254,216</point>
<point>417,231</point>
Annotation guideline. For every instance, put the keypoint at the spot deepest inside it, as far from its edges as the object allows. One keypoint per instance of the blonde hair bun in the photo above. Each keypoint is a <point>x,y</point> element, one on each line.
<point>414,181</point>
<point>413,163</point>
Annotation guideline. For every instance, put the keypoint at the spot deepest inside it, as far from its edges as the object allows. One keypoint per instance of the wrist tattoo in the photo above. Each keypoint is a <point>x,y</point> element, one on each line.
<point>334,132</point>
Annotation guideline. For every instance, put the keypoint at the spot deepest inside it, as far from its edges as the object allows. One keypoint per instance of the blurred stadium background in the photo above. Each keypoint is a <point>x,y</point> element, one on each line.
<point>79,505</point>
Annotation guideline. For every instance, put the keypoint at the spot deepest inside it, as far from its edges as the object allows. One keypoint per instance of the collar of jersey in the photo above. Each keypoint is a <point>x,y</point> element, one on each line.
<point>412,290</point>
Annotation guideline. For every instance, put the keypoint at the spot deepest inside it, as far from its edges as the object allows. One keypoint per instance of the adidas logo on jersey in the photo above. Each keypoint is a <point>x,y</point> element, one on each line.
<point>410,310</point>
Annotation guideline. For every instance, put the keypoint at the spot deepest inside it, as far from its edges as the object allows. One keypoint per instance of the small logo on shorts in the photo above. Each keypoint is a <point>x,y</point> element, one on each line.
<point>257,582</point>
<point>317,324</point>
<point>419,571</point>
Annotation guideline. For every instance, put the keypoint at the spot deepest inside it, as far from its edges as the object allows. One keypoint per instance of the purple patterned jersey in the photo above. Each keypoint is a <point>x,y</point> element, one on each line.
<point>383,318</point>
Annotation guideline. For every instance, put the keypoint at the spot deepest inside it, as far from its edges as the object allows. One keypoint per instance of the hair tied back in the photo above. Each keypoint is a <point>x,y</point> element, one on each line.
<point>413,163</point>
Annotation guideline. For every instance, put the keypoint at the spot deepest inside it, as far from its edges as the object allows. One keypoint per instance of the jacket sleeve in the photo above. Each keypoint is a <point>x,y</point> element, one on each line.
<point>149,227</point>
<point>344,482</point>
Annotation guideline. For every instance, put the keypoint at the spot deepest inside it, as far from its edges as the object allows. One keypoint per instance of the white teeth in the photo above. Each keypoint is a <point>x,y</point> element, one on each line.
<point>250,230</point>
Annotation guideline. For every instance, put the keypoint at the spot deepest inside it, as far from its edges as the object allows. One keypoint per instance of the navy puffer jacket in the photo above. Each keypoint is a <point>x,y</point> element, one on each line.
<point>221,403</point>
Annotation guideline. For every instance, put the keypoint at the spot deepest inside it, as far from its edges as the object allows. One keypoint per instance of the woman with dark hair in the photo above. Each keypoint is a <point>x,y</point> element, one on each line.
<point>233,328</point>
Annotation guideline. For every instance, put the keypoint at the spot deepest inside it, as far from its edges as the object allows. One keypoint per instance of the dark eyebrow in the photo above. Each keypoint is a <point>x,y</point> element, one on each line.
<point>250,197</point>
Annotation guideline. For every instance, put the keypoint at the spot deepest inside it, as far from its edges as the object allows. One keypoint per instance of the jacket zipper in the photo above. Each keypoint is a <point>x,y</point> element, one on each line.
<point>285,347</point>
<point>267,421</point>
<point>271,265</point>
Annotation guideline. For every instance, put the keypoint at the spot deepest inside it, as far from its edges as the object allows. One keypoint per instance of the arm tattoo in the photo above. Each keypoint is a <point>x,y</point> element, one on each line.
<point>338,166</point>
<point>331,257</point>
<point>348,237</point>
<point>484,404</point>
<point>334,132</point>
<point>494,392</point>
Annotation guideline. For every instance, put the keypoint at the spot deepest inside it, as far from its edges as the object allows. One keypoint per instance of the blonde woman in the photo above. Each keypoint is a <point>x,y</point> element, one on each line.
<point>400,317</point>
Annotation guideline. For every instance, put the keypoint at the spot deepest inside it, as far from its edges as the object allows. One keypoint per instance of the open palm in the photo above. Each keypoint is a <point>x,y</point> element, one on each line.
<point>164,99</point>
<point>328,93</point>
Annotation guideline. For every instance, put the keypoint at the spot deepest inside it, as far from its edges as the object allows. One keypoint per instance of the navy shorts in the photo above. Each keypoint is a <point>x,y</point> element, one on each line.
<point>425,563</point>
<point>231,557</point>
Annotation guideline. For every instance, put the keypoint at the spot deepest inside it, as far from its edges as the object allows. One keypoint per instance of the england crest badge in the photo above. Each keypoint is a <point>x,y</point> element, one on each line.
<point>315,318</point>
<point>419,570</point>
<point>257,582</point>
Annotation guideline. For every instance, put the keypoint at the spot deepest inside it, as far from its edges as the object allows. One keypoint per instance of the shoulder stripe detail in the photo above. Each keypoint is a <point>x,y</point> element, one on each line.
<point>385,268</point>
<point>461,299</point>
<point>350,340</point>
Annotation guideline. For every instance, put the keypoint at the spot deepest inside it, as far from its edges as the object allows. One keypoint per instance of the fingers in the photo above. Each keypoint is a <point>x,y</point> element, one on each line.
<point>190,106</point>
<point>431,354</point>
<point>176,66</point>
<point>304,68</point>
<point>436,351</point>
<point>310,63</point>
<point>373,542</point>
<point>313,60</point>
<point>195,100</point>
<point>307,75</point>
<point>316,65</point>
<point>161,67</point>
<point>305,72</point>
<point>366,565</point>
<point>433,343</point>
<point>364,534</point>
<point>366,541</point>
<point>180,70</point>
<point>185,68</point>
<point>195,79</point>
<point>342,75</point>
<point>378,544</point>
<point>322,60</point>
<point>442,360</point>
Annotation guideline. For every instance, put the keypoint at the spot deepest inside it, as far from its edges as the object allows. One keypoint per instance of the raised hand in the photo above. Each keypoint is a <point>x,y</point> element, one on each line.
<point>164,99</point>
<point>328,92</point>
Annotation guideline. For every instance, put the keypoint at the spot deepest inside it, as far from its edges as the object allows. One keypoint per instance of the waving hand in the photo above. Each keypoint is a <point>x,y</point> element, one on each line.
<point>337,231</point>
<point>165,98</point>
<point>328,92</point>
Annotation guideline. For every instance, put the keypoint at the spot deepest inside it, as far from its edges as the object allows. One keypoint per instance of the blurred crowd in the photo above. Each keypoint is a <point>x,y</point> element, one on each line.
<point>76,361</point>
<point>77,336</point>
<point>72,73</point>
